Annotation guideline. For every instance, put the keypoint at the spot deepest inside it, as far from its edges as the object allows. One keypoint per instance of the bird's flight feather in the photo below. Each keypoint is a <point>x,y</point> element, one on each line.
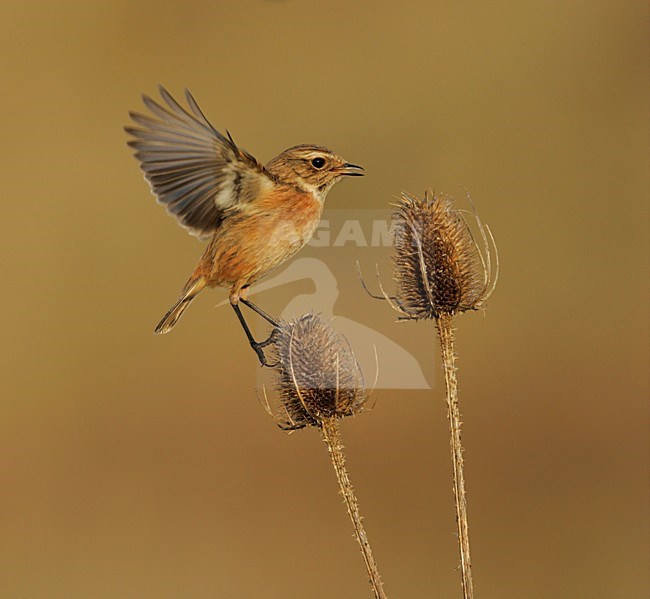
<point>196,172</point>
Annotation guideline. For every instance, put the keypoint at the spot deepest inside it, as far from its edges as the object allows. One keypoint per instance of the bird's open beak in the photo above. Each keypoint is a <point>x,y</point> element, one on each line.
<point>351,170</point>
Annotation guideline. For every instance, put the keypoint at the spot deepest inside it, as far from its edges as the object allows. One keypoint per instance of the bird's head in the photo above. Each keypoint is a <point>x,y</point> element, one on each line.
<point>311,168</point>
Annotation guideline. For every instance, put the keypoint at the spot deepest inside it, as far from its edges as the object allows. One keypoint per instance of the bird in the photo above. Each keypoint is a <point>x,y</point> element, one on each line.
<point>254,216</point>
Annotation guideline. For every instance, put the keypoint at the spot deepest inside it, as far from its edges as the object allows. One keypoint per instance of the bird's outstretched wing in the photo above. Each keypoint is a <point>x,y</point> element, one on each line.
<point>195,171</point>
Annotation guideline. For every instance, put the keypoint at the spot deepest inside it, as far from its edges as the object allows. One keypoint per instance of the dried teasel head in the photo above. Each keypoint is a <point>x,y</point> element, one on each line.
<point>438,265</point>
<point>317,375</point>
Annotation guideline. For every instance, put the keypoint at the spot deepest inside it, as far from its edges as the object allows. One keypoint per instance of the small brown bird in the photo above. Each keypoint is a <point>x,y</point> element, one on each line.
<point>255,216</point>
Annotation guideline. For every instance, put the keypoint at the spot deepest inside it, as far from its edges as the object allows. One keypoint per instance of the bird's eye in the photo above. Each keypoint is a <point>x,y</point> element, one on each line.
<point>318,162</point>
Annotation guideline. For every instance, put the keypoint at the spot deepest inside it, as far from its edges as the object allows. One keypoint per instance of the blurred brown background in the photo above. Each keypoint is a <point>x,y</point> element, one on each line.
<point>138,466</point>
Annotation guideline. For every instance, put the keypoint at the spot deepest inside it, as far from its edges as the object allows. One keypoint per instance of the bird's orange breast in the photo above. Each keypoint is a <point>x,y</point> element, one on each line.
<point>262,235</point>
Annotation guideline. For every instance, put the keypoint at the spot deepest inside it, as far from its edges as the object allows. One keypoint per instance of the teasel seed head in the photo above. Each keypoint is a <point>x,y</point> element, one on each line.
<point>317,376</point>
<point>438,266</point>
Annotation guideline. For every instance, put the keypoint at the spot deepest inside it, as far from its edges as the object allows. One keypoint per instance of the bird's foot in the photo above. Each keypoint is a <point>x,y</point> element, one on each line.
<point>258,348</point>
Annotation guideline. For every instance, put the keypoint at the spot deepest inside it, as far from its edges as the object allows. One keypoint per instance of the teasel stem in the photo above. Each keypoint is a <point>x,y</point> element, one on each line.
<point>444,324</point>
<point>330,431</point>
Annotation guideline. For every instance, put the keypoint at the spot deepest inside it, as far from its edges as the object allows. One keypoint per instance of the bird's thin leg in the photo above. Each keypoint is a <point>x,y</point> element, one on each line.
<point>259,310</point>
<point>258,348</point>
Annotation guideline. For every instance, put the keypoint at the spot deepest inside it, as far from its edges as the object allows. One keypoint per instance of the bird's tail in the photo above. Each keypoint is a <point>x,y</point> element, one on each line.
<point>188,294</point>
